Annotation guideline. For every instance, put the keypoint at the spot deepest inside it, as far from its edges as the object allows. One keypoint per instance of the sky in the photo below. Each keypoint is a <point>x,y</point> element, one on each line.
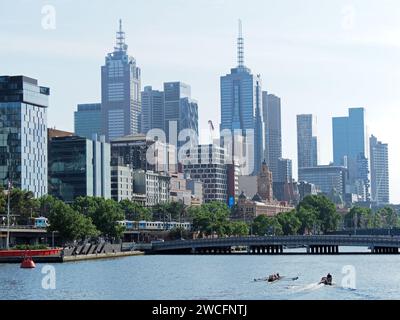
<point>319,56</point>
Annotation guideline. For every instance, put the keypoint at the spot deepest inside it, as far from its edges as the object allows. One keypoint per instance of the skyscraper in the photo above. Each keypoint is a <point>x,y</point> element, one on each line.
<point>120,92</point>
<point>180,109</point>
<point>23,134</point>
<point>152,109</point>
<point>349,149</point>
<point>87,120</point>
<point>241,107</point>
<point>307,146</point>
<point>284,171</point>
<point>379,157</point>
<point>273,131</point>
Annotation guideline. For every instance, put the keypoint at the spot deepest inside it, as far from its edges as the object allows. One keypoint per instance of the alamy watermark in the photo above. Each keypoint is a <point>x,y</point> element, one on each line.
<point>48,17</point>
<point>49,278</point>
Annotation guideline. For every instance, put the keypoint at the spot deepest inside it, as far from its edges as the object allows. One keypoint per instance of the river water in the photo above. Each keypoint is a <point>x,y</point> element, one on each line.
<point>227,277</point>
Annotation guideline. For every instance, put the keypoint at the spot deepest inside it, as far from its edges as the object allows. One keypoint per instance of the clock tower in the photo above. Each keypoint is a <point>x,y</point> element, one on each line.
<point>264,183</point>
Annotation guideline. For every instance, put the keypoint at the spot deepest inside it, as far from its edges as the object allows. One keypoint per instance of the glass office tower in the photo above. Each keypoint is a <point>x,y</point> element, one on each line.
<point>179,108</point>
<point>87,120</point>
<point>241,106</point>
<point>349,149</point>
<point>152,109</point>
<point>120,92</point>
<point>273,132</point>
<point>307,145</point>
<point>23,134</point>
<point>379,155</point>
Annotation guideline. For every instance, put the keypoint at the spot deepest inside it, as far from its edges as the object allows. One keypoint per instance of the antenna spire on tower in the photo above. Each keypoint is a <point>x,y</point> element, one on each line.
<point>240,45</point>
<point>121,46</point>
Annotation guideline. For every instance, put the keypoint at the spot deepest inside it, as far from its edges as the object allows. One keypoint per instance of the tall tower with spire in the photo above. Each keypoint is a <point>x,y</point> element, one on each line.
<point>120,91</point>
<point>241,107</point>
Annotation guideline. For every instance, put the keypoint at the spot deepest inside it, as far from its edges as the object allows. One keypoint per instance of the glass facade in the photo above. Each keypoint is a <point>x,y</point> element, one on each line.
<point>179,108</point>
<point>349,149</point>
<point>87,120</point>
<point>79,167</point>
<point>273,132</point>
<point>120,92</point>
<point>379,155</point>
<point>307,146</point>
<point>23,134</point>
<point>326,178</point>
<point>152,109</point>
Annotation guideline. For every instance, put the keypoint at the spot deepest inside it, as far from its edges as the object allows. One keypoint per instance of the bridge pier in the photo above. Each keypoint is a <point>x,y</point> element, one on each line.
<point>385,250</point>
<point>315,249</point>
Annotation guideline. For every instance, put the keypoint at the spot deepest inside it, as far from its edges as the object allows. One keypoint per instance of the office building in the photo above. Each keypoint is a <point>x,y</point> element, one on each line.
<point>23,134</point>
<point>79,167</point>
<point>121,183</point>
<point>87,120</point>
<point>141,152</point>
<point>206,163</point>
<point>241,109</point>
<point>307,145</point>
<point>178,190</point>
<point>349,150</point>
<point>180,111</point>
<point>152,184</point>
<point>120,92</point>
<point>379,157</point>
<point>273,132</point>
<point>285,173</point>
<point>152,110</point>
<point>327,179</point>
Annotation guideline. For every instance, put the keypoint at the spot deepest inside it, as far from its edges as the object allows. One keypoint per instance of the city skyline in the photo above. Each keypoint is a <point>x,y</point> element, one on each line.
<point>280,82</point>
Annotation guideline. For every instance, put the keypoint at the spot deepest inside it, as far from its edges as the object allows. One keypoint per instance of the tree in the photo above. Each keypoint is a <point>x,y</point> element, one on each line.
<point>263,225</point>
<point>327,217</point>
<point>134,211</point>
<point>289,222</point>
<point>23,205</point>
<point>389,217</point>
<point>69,224</point>
<point>105,213</point>
<point>358,217</point>
<point>239,228</point>
<point>211,217</point>
<point>308,219</point>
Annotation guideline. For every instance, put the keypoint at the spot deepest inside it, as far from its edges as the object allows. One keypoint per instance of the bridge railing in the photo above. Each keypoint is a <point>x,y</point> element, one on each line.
<point>283,240</point>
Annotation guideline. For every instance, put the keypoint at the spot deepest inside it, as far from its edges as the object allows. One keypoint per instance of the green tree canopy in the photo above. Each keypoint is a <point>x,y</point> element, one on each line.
<point>327,217</point>
<point>24,205</point>
<point>104,213</point>
<point>289,222</point>
<point>134,211</point>
<point>70,224</point>
<point>263,225</point>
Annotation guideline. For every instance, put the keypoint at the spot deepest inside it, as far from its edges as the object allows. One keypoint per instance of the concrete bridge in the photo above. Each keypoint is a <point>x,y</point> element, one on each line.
<point>278,245</point>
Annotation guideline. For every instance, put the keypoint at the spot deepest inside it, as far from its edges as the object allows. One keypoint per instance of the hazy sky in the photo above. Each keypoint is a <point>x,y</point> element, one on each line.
<point>319,56</point>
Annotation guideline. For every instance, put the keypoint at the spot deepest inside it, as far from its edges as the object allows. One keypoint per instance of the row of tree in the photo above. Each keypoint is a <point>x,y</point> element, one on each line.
<point>366,218</point>
<point>92,217</point>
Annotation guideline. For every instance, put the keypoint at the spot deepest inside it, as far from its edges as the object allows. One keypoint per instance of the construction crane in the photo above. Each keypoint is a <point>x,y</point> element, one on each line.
<point>211,127</point>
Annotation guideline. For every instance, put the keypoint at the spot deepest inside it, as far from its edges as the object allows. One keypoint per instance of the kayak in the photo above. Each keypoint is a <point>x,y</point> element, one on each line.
<point>267,279</point>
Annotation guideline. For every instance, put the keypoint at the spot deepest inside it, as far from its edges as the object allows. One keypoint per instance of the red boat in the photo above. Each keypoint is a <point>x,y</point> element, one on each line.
<point>29,253</point>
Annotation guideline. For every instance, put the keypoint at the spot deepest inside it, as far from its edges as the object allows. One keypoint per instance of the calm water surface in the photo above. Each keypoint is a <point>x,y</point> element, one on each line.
<point>206,277</point>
